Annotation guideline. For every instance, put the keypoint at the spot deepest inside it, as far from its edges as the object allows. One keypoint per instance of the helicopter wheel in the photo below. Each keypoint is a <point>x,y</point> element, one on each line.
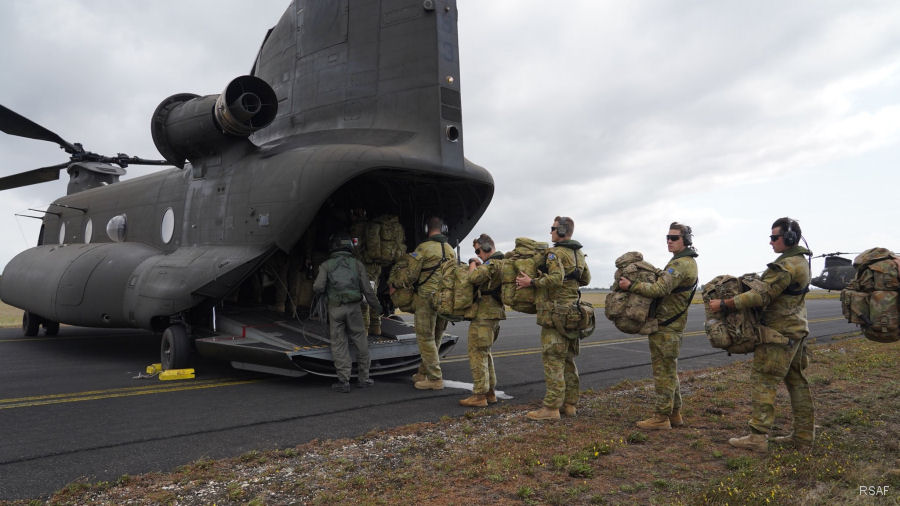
<point>50,328</point>
<point>31,323</point>
<point>175,348</point>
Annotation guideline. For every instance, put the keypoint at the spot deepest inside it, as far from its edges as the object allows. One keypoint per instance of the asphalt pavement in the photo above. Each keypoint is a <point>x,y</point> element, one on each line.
<point>75,405</point>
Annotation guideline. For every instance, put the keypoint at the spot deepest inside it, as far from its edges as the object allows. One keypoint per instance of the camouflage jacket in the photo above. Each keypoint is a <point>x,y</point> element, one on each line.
<point>673,289</point>
<point>429,257</point>
<point>487,277</point>
<point>562,280</point>
<point>784,302</point>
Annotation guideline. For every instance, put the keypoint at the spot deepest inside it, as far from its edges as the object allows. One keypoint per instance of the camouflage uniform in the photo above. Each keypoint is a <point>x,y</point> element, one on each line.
<point>485,325</point>
<point>371,319</point>
<point>429,327</point>
<point>560,286</point>
<point>673,289</point>
<point>784,310</point>
<point>346,318</point>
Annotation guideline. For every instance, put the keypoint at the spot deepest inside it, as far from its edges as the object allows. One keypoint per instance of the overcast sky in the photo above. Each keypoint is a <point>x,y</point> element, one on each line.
<point>623,115</point>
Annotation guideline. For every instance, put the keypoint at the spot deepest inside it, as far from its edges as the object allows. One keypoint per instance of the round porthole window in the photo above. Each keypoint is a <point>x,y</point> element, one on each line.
<point>167,227</point>
<point>62,233</point>
<point>88,231</point>
<point>115,228</point>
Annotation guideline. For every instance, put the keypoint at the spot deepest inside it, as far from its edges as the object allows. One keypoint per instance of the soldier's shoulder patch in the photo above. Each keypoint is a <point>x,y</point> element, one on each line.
<point>414,254</point>
<point>670,270</point>
<point>551,256</point>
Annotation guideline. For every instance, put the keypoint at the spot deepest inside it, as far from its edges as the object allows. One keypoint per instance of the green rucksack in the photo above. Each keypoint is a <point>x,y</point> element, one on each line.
<point>455,297</point>
<point>404,287</point>
<point>528,257</point>
<point>871,299</point>
<point>736,331</point>
<point>385,241</point>
<point>343,280</point>
<point>630,312</point>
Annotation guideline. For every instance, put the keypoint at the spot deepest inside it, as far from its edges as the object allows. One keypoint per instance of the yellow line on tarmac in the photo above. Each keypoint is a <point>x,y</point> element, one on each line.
<point>43,400</point>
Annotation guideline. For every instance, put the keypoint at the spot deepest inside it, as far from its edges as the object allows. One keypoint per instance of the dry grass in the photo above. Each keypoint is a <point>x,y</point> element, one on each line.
<point>495,455</point>
<point>10,316</point>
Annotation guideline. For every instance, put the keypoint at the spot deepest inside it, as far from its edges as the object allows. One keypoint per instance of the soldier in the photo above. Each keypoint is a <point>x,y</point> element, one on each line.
<point>784,310</point>
<point>343,278</point>
<point>432,252</point>
<point>566,271</point>
<point>358,224</point>
<point>485,325</point>
<point>674,290</point>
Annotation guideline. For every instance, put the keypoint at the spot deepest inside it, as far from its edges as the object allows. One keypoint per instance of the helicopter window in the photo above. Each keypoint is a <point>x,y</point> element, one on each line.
<point>167,229</point>
<point>88,231</point>
<point>62,233</point>
<point>115,228</point>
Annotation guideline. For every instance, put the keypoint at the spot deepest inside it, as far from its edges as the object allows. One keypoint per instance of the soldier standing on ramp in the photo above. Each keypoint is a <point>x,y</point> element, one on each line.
<point>343,279</point>
<point>674,291</point>
<point>566,271</point>
<point>783,310</point>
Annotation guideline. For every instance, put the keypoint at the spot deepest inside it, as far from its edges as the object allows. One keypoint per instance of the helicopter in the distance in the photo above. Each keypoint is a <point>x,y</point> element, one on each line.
<point>348,105</point>
<point>838,271</point>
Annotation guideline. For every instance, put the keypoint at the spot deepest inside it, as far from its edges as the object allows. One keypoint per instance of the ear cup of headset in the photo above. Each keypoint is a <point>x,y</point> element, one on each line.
<point>687,236</point>
<point>562,230</point>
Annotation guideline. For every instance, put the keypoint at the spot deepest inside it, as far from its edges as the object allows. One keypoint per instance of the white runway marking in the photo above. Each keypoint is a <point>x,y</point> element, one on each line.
<point>468,386</point>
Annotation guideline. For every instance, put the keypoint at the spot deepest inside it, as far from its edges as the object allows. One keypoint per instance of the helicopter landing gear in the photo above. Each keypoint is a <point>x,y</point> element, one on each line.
<point>50,328</point>
<point>31,323</point>
<point>175,348</point>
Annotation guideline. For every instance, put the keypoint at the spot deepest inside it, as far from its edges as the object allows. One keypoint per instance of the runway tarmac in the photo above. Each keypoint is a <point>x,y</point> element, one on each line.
<point>72,407</point>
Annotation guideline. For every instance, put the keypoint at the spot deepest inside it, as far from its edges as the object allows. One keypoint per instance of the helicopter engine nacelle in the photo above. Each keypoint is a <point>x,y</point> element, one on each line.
<point>187,126</point>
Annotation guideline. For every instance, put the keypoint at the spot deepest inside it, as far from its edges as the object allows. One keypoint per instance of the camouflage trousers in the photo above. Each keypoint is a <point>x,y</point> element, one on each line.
<point>558,353</point>
<point>345,321</point>
<point>664,349</point>
<point>371,319</point>
<point>429,331</point>
<point>773,363</point>
<point>482,334</point>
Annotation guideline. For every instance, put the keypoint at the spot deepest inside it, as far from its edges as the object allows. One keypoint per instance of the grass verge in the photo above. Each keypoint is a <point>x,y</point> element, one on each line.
<point>495,455</point>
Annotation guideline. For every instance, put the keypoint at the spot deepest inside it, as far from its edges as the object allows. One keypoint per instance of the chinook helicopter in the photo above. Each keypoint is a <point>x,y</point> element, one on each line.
<point>348,105</point>
<point>838,271</point>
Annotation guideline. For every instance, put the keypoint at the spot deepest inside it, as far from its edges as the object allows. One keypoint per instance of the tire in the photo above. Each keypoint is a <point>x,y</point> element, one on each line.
<point>51,328</point>
<point>175,348</point>
<point>31,324</point>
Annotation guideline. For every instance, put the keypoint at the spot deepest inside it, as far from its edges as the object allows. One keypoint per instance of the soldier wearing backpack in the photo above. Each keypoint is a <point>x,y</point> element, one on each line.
<point>430,254</point>
<point>343,279</point>
<point>783,306</point>
<point>485,325</point>
<point>673,291</point>
<point>567,270</point>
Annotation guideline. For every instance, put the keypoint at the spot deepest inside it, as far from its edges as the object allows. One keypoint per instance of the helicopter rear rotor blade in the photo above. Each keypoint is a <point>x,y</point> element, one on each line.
<point>30,177</point>
<point>14,123</point>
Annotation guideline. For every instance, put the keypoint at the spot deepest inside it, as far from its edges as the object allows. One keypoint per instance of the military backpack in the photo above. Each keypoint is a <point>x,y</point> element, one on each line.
<point>871,298</point>
<point>404,287</point>
<point>455,297</point>
<point>630,312</point>
<point>736,331</point>
<point>343,281</point>
<point>385,241</point>
<point>528,257</point>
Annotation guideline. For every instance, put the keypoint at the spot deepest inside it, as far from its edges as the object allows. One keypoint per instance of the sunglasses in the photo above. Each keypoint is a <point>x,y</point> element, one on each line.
<point>774,238</point>
<point>477,251</point>
<point>673,238</point>
<point>553,229</point>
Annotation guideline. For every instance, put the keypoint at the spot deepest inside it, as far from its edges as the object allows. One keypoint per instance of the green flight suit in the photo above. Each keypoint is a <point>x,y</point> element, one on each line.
<point>784,310</point>
<point>485,325</point>
<point>673,291</point>
<point>344,315</point>
<point>429,326</point>
<point>558,351</point>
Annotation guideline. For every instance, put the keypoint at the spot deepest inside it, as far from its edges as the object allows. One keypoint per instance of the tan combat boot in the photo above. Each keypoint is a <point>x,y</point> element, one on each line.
<point>755,442</point>
<point>656,422</point>
<point>568,410</point>
<point>793,438</point>
<point>419,377</point>
<point>544,413</point>
<point>429,384</point>
<point>474,401</point>
<point>675,419</point>
<point>491,396</point>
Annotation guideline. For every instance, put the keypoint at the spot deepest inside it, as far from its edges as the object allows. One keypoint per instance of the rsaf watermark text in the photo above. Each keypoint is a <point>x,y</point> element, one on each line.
<point>874,490</point>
